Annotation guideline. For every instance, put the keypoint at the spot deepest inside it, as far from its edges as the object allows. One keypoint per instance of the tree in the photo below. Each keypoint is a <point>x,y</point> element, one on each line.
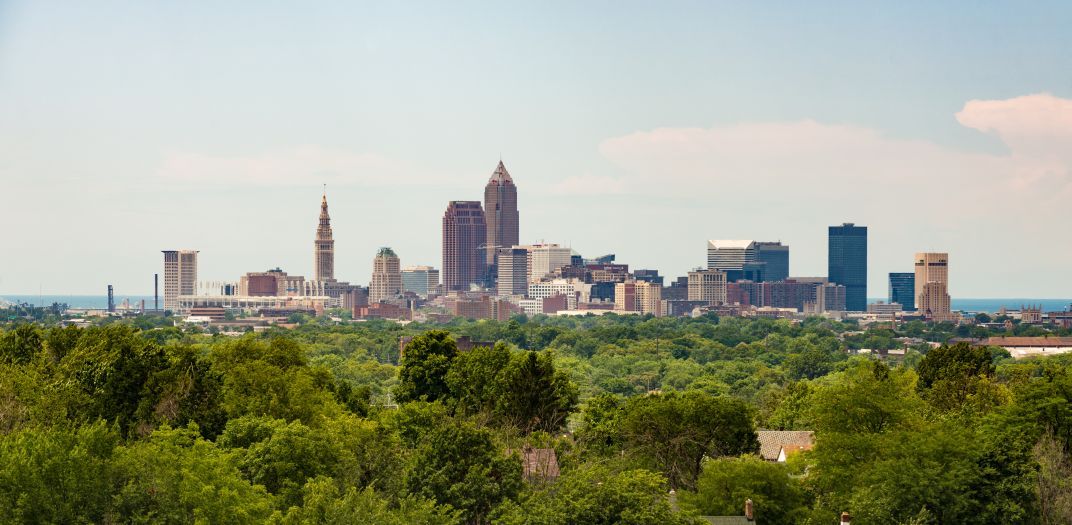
<point>676,431</point>
<point>475,379</point>
<point>56,475</point>
<point>459,465</point>
<point>813,362</point>
<point>948,375</point>
<point>273,379</point>
<point>175,476</point>
<point>601,425</point>
<point>597,495</point>
<point>113,367</point>
<point>726,483</point>
<point>280,456</point>
<point>423,374</point>
<point>20,345</point>
<point>324,503</point>
<point>1054,480</point>
<point>187,391</point>
<point>534,395</point>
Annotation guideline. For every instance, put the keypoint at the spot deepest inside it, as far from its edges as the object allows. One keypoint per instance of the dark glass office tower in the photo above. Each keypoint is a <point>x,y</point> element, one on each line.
<point>847,263</point>
<point>903,290</point>
<point>776,257</point>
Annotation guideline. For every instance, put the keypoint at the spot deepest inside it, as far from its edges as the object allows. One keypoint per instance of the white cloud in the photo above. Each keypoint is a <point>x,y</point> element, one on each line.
<point>1038,131</point>
<point>784,176</point>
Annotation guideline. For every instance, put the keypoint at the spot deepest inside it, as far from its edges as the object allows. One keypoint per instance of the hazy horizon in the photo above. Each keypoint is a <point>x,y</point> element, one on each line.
<point>637,129</point>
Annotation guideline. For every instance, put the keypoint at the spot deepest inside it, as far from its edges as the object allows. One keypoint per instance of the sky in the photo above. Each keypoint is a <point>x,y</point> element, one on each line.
<point>641,129</point>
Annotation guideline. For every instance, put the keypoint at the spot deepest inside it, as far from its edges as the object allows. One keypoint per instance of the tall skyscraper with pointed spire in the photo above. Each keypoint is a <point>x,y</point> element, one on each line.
<point>324,246</point>
<point>500,211</point>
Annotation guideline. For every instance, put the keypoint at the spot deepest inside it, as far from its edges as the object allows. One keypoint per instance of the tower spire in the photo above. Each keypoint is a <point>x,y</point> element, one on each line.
<point>324,245</point>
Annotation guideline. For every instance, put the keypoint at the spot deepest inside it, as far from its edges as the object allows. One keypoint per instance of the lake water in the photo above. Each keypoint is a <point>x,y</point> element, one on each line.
<point>78,301</point>
<point>993,305</point>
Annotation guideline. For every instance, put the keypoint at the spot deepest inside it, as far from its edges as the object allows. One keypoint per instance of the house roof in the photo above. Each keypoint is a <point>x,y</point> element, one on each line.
<point>1048,342</point>
<point>772,441</point>
<point>788,450</point>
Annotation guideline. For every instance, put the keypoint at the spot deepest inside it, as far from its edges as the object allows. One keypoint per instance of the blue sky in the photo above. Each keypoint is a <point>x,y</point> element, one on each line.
<point>642,129</point>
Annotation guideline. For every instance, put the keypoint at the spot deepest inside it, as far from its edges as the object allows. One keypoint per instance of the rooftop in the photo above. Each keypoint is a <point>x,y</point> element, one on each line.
<point>772,441</point>
<point>723,243</point>
<point>1028,341</point>
<point>500,175</point>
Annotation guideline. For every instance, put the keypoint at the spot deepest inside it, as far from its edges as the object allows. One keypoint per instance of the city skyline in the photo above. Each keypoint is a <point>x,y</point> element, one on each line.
<point>643,137</point>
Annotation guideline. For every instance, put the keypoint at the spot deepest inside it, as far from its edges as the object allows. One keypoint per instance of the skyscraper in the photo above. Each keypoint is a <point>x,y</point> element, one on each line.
<point>180,276</point>
<point>421,280</point>
<point>464,243</point>
<point>730,255</point>
<point>545,259</point>
<point>738,258</point>
<point>932,285</point>
<point>513,271</point>
<point>903,290</point>
<point>386,276</point>
<point>775,256</point>
<point>500,209</point>
<point>708,286</point>
<point>847,263</point>
<point>324,246</point>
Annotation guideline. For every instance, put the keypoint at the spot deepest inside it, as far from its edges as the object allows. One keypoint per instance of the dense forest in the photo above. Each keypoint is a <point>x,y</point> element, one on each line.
<point>652,421</point>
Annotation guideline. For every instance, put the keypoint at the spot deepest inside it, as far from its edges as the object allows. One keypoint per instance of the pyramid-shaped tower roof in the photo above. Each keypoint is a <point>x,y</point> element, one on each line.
<point>500,175</point>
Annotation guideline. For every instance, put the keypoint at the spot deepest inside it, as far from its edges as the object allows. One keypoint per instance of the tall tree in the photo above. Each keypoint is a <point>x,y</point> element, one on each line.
<point>459,465</point>
<point>175,476</point>
<point>535,395</point>
<point>56,475</point>
<point>425,364</point>
<point>726,483</point>
<point>948,375</point>
<point>597,495</point>
<point>677,431</point>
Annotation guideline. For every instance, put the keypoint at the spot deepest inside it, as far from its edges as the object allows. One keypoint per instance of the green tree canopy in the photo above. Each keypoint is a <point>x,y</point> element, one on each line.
<point>459,465</point>
<point>598,495</point>
<point>726,483</point>
<point>677,431</point>
<point>424,367</point>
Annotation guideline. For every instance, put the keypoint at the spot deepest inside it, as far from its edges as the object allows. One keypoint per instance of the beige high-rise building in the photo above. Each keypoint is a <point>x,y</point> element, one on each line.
<point>639,296</point>
<point>386,276</point>
<point>545,259</point>
<point>180,276</point>
<point>932,285</point>
<point>324,246</point>
<point>649,298</point>
<point>708,286</point>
